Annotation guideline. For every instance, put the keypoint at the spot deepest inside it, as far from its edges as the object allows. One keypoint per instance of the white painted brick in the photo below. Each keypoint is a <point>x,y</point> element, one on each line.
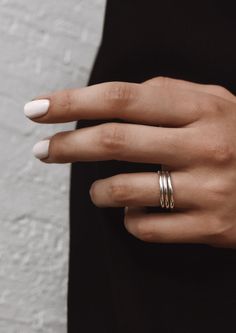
<point>44,46</point>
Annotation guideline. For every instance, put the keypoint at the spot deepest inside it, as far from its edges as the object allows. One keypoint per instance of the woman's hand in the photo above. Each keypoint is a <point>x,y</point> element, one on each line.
<point>197,143</point>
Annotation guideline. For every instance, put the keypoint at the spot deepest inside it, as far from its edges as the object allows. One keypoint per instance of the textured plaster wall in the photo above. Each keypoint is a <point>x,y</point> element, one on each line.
<point>45,45</point>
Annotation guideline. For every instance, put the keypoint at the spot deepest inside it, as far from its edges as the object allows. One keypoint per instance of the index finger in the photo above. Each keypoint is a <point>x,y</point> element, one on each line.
<point>132,102</point>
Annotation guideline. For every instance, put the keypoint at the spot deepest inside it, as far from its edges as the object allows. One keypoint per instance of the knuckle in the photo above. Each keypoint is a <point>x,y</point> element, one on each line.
<point>205,105</point>
<point>220,152</point>
<point>162,81</point>
<point>112,138</point>
<point>66,101</point>
<point>118,192</point>
<point>220,91</point>
<point>213,106</point>
<point>118,95</point>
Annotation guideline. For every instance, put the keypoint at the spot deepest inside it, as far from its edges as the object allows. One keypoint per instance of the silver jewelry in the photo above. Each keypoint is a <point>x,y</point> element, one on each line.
<point>166,190</point>
<point>171,191</point>
<point>162,196</point>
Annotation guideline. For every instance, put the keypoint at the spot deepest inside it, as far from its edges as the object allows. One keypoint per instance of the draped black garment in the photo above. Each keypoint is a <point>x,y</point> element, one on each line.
<point>118,284</point>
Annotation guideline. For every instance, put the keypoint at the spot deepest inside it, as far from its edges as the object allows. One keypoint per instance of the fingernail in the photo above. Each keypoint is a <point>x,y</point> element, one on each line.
<point>36,108</point>
<point>126,210</point>
<point>41,149</point>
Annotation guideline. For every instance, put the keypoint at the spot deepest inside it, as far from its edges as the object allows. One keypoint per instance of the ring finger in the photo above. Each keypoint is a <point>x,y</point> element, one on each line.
<point>142,189</point>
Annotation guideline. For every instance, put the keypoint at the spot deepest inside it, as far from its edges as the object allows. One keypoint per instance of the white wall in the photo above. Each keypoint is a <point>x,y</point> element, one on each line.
<point>45,45</point>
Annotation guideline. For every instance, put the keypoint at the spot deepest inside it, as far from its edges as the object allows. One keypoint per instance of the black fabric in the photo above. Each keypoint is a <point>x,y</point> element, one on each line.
<point>116,282</point>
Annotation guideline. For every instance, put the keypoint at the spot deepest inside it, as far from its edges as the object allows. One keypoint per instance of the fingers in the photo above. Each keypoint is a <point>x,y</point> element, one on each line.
<point>146,104</point>
<point>142,189</point>
<point>165,227</point>
<point>127,142</point>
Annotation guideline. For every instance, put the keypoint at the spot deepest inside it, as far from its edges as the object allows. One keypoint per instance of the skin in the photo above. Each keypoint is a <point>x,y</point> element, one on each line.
<point>196,142</point>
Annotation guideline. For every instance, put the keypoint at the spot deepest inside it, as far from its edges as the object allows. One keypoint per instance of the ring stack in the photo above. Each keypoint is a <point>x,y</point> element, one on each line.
<point>166,190</point>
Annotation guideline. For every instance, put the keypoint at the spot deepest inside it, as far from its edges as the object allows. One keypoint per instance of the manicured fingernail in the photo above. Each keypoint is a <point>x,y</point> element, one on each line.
<point>36,108</point>
<point>41,149</point>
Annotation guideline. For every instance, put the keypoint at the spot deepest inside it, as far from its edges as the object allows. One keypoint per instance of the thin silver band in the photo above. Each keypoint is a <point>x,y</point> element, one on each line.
<point>171,191</point>
<point>162,197</point>
<point>166,190</point>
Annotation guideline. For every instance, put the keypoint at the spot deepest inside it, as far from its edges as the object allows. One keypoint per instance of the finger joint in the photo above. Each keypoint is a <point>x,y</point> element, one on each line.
<point>112,138</point>
<point>118,95</point>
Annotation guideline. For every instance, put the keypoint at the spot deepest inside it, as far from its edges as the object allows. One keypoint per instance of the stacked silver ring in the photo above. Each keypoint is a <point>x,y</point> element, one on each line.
<point>166,190</point>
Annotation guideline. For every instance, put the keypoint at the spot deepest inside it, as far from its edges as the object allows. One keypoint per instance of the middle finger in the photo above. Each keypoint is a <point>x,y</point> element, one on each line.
<point>116,141</point>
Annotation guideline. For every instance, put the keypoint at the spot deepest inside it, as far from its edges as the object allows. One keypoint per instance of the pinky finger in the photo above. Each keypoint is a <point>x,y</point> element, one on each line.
<point>164,227</point>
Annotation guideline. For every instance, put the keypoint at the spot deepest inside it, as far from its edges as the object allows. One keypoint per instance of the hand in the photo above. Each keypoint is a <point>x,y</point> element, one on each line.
<point>197,143</point>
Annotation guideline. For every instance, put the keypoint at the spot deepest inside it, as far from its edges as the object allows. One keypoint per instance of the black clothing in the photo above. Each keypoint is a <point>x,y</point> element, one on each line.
<point>118,284</point>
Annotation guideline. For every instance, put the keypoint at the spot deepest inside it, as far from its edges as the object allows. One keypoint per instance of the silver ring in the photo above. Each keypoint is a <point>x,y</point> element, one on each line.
<point>166,190</point>
<point>171,191</point>
<point>162,197</point>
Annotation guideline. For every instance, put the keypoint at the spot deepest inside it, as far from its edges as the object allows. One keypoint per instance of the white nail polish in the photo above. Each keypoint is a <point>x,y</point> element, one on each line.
<point>36,108</point>
<point>41,149</point>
